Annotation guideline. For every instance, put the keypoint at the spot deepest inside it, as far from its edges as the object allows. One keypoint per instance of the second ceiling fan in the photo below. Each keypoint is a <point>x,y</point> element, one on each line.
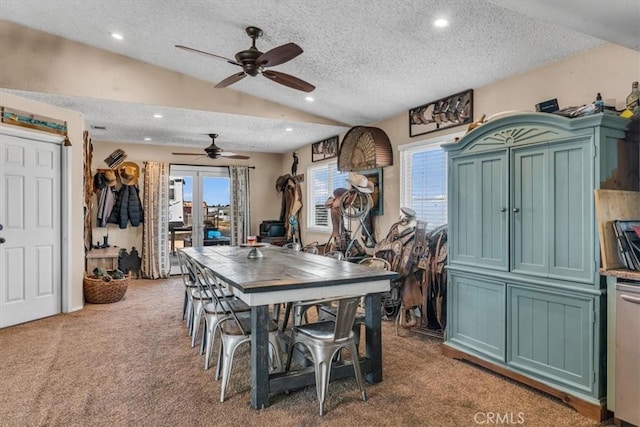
<point>254,62</point>
<point>214,152</point>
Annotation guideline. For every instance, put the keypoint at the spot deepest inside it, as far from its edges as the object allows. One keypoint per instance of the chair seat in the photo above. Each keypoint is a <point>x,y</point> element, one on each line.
<point>231,328</point>
<point>323,330</point>
<point>223,307</point>
<point>206,295</point>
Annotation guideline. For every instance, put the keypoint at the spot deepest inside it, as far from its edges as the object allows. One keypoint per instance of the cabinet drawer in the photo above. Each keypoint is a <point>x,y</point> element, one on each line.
<point>477,308</point>
<point>551,335</point>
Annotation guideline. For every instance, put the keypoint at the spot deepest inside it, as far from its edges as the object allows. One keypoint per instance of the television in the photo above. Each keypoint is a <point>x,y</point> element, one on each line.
<point>272,228</point>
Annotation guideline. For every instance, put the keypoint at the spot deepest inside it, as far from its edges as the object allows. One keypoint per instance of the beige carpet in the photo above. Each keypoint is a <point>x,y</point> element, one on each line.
<point>130,363</point>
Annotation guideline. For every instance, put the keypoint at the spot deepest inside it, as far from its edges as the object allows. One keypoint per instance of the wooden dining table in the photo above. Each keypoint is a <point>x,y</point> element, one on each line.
<point>285,276</point>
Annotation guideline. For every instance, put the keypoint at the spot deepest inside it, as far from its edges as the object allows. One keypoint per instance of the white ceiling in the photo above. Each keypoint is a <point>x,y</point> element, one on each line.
<point>369,59</point>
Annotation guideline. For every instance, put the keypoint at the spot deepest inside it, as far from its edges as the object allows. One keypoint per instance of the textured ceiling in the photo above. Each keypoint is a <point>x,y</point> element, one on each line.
<point>370,60</point>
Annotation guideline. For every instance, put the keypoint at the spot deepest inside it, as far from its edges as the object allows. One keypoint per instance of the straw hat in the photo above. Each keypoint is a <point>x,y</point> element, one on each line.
<point>129,173</point>
<point>360,182</point>
<point>110,178</point>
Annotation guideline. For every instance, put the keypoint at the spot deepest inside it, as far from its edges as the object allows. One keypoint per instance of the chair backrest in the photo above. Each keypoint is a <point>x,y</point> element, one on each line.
<point>375,262</point>
<point>218,293</point>
<point>346,316</point>
<point>335,254</point>
<point>186,269</point>
<point>311,249</point>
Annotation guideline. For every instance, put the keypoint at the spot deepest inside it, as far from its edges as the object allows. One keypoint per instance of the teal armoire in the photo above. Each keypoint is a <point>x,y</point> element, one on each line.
<point>525,297</point>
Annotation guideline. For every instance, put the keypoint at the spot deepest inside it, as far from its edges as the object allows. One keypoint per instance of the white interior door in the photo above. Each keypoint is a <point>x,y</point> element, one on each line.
<point>30,215</point>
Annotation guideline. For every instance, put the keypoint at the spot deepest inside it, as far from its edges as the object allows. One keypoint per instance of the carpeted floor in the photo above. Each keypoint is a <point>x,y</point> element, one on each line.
<point>130,364</point>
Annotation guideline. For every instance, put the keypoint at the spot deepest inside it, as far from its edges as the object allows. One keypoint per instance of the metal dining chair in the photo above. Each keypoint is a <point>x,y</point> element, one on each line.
<point>335,254</point>
<point>215,311</point>
<point>325,339</point>
<point>189,283</point>
<point>196,295</point>
<point>235,330</point>
<point>311,248</point>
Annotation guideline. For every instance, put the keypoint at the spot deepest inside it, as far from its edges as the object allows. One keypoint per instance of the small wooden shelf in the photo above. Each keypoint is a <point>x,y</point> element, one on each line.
<point>106,258</point>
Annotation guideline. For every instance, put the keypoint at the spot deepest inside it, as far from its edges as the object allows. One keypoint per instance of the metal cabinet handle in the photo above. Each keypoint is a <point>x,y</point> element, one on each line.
<point>630,299</point>
<point>2,240</point>
<point>503,209</point>
<point>516,210</point>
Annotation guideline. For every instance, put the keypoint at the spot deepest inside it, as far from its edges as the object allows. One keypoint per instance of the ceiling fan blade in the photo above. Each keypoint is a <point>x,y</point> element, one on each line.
<point>230,155</point>
<point>187,154</point>
<point>288,80</point>
<point>279,55</point>
<point>231,80</point>
<point>211,55</point>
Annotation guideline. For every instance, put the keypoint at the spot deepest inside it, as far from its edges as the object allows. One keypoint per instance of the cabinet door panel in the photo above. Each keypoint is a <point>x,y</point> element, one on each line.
<point>493,212</point>
<point>551,335</point>
<point>463,240</point>
<point>478,315</point>
<point>529,211</point>
<point>479,233</point>
<point>571,211</point>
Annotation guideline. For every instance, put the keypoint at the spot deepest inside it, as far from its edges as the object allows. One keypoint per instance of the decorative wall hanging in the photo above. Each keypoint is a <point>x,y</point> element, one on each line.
<point>444,113</point>
<point>364,147</point>
<point>33,121</point>
<point>325,149</point>
<point>116,158</point>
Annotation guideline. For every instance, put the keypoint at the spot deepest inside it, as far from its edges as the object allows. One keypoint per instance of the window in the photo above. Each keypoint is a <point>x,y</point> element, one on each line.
<point>423,180</point>
<point>322,180</point>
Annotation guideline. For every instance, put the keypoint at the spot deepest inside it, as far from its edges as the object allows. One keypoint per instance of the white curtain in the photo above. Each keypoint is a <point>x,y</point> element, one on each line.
<point>240,217</point>
<point>156,263</point>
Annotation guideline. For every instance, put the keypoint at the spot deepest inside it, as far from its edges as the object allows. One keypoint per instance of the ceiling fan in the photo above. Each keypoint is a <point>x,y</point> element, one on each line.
<point>254,62</point>
<point>214,152</point>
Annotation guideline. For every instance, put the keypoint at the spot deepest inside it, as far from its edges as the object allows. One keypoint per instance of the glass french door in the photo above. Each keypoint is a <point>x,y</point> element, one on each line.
<point>199,207</point>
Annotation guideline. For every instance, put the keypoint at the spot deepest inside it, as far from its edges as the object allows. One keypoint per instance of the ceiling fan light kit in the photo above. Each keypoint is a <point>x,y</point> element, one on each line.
<point>254,62</point>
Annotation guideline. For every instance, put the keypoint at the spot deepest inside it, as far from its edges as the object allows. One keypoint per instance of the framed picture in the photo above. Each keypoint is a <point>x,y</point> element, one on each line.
<point>325,149</point>
<point>375,176</point>
<point>444,113</point>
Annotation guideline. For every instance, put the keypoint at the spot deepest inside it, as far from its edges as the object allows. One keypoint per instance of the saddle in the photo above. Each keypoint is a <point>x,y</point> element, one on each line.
<point>419,257</point>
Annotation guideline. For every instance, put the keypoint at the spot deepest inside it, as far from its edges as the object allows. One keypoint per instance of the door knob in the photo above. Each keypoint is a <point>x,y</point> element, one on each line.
<point>503,209</point>
<point>516,210</point>
<point>2,240</point>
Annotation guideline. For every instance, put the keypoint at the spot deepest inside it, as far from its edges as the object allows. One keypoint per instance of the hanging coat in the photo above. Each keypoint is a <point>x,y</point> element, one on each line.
<point>128,207</point>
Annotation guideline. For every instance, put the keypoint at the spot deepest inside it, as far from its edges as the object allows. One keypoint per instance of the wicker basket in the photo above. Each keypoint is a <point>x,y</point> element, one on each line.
<point>97,291</point>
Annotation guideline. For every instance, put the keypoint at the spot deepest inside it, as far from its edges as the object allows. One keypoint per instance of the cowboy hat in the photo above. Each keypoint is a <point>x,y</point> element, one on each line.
<point>110,178</point>
<point>360,182</point>
<point>129,173</point>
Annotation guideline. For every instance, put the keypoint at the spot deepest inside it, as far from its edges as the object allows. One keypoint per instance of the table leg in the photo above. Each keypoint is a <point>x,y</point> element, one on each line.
<point>373,340</point>
<point>259,357</point>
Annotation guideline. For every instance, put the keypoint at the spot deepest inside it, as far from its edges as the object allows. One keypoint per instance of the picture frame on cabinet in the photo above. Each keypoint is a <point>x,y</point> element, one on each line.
<point>454,110</point>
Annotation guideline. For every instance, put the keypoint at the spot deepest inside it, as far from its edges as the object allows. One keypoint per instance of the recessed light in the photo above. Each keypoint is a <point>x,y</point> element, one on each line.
<point>147,139</point>
<point>309,99</point>
<point>117,36</point>
<point>157,116</point>
<point>441,23</point>
<point>289,129</point>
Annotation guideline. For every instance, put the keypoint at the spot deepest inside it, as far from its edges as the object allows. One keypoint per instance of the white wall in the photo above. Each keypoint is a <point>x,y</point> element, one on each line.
<point>609,69</point>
